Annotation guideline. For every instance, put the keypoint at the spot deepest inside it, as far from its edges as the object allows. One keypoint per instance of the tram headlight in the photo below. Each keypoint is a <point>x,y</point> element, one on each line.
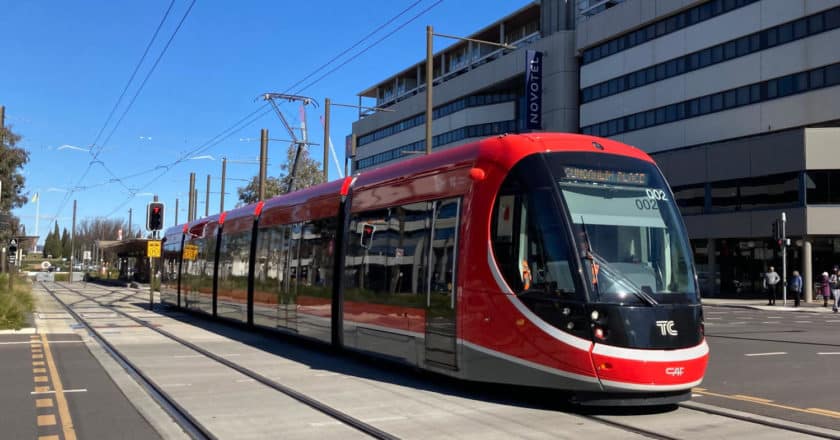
<point>599,333</point>
<point>594,315</point>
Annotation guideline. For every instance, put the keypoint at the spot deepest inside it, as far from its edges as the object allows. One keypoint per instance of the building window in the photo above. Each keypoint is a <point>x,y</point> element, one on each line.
<point>780,34</point>
<point>691,198</point>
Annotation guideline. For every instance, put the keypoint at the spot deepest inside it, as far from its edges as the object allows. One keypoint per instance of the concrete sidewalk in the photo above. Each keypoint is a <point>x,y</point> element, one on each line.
<point>761,304</point>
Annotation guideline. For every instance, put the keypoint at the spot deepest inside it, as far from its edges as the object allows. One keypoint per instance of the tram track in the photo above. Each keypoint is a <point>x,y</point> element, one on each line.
<point>192,426</point>
<point>630,426</point>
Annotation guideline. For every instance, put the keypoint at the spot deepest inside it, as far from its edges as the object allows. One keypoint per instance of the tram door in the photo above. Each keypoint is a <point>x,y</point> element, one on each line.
<point>441,319</point>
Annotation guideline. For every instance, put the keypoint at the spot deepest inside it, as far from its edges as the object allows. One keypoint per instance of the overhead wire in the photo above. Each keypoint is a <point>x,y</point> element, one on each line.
<point>265,109</point>
<point>98,148</point>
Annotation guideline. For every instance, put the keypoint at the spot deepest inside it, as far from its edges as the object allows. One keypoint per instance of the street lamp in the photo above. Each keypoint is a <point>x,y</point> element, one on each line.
<point>430,75</point>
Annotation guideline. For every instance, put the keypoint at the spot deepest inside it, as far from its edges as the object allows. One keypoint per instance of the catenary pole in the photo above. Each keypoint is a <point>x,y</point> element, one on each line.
<point>263,160</point>
<point>222,198</point>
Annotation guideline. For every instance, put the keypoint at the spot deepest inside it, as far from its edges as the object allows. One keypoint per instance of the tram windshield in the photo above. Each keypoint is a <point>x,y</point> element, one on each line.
<point>627,230</point>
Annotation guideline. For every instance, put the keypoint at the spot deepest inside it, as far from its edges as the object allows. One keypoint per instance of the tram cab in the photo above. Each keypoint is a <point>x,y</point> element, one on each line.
<point>592,245</point>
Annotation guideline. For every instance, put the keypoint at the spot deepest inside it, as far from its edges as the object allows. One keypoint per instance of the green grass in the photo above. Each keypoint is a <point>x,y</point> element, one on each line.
<point>16,305</point>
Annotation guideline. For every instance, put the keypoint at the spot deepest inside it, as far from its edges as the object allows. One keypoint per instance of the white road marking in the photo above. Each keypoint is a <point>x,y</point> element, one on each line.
<point>828,352</point>
<point>775,353</point>
<point>713,318</point>
<point>738,322</point>
<point>833,320</point>
<point>385,419</point>
<point>78,390</point>
<point>33,343</point>
<point>774,317</point>
<point>803,322</point>
<point>769,322</point>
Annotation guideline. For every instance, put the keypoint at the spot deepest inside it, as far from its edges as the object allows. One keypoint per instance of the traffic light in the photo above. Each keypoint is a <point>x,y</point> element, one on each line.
<point>154,216</point>
<point>777,234</point>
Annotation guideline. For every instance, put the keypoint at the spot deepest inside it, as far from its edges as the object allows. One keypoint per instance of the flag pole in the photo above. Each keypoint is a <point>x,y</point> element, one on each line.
<point>37,217</point>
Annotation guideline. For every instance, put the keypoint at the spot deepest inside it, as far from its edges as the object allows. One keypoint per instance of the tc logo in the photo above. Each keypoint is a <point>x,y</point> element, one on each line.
<point>666,327</point>
<point>675,371</point>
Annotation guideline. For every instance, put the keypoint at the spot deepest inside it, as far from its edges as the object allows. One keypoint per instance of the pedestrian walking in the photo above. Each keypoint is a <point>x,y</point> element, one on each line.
<point>825,289</point>
<point>834,282</point>
<point>771,280</point>
<point>796,287</point>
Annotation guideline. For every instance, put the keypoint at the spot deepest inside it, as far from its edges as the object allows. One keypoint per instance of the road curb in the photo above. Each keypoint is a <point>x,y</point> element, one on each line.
<point>21,331</point>
<point>771,308</point>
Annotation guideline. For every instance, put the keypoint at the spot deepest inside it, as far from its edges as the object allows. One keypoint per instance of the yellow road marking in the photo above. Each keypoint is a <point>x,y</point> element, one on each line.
<point>39,370</point>
<point>765,402</point>
<point>751,398</point>
<point>37,363</point>
<point>37,356</point>
<point>42,389</point>
<point>826,412</point>
<point>41,379</point>
<point>63,409</point>
<point>46,420</point>
<point>43,403</point>
<point>48,437</point>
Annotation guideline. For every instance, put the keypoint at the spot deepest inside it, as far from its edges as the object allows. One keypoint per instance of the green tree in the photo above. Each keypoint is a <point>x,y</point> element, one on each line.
<point>308,173</point>
<point>52,245</point>
<point>65,244</point>
<point>250,193</point>
<point>12,160</point>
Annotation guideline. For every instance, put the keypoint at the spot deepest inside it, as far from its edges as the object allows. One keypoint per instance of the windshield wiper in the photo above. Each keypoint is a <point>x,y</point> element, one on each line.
<point>616,275</point>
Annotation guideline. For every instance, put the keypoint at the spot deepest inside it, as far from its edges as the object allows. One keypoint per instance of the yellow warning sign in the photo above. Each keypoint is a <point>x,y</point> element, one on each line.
<point>190,252</point>
<point>153,248</point>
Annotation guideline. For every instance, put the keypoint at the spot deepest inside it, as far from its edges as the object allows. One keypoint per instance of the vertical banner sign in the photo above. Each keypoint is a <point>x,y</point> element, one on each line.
<point>533,90</point>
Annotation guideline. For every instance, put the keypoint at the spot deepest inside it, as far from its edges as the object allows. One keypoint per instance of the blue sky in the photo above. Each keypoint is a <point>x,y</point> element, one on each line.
<point>65,65</point>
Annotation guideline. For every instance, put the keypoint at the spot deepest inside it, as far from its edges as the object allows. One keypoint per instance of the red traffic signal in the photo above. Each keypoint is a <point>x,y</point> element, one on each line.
<point>154,216</point>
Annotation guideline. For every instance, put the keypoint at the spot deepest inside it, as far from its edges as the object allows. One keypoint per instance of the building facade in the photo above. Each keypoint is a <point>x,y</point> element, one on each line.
<point>735,99</point>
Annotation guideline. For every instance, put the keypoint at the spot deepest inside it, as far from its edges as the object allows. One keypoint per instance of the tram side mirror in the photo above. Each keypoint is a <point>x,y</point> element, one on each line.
<point>367,235</point>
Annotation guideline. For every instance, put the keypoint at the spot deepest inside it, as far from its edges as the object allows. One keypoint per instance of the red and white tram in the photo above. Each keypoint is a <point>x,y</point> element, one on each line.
<point>548,260</point>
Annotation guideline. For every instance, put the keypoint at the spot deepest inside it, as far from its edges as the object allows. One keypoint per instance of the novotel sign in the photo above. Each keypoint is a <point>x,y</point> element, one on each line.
<point>533,90</point>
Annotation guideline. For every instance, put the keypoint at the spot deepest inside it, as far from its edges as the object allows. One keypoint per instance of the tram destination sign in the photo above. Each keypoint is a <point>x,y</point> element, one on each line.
<point>605,176</point>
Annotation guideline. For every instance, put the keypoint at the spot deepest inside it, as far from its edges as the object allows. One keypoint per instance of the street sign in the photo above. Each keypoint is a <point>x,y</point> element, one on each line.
<point>12,259</point>
<point>153,249</point>
<point>190,252</point>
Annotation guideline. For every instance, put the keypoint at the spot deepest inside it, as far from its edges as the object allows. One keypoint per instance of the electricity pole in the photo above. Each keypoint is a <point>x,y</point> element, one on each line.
<point>72,241</point>
<point>190,212</point>
<point>129,223</point>
<point>222,200</point>
<point>263,160</point>
<point>207,198</point>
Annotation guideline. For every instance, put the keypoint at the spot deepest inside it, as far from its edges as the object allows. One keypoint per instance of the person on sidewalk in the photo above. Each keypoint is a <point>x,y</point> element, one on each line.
<point>834,282</point>
<point>796,287</point>
<point>771,279</point>
<point>825,289</point>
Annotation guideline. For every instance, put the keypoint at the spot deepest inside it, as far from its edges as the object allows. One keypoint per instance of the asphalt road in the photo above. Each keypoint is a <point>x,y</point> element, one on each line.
<point>784,365</point>
<point>58,388</point>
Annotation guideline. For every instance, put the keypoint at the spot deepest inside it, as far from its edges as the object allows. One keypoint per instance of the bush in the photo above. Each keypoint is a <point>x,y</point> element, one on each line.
<point>16,305</point>
<point>64,276</point>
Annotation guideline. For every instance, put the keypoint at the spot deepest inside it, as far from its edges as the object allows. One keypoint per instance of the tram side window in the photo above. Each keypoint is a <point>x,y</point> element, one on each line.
<point>529,238</point>
<point>443,248</point>
<point>269,273</point>
<point>317,245</point>
<point>193,267</point>
<point>387,255</point>
<point>204,269</point>
<point>169,270</point>
<point>233,275</point>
